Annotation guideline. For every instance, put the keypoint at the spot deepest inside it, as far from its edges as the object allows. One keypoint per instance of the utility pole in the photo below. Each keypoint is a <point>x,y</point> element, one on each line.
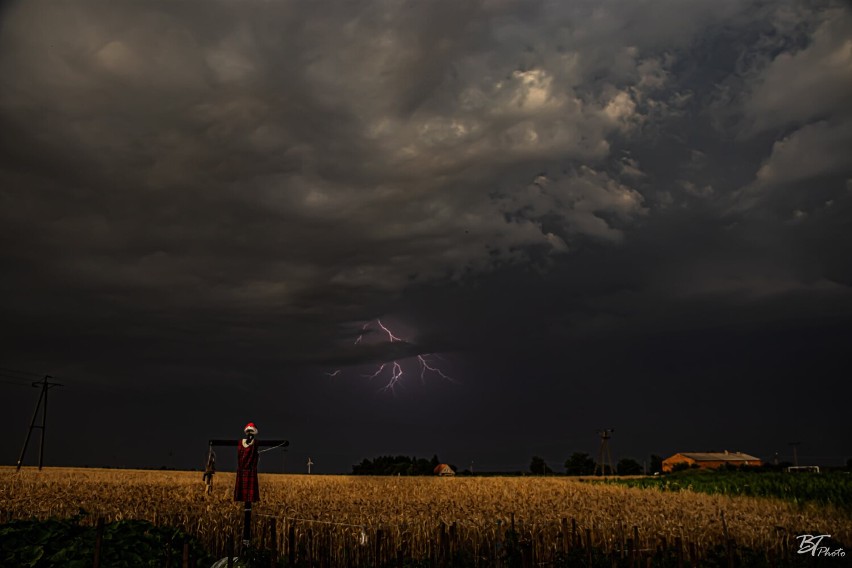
<point>795,454</point>
<point>45,386</point>
<point>310,463</point>
<point>604,455</point>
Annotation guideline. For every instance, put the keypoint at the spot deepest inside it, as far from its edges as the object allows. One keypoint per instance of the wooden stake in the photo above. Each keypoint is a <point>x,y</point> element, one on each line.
<point>575,534</point>
<point>679,551</point>
<point>246,524</point>
<point>589,546</point>
<point>291,542</point>
<point>99,540</point>
<point>379,535</point>
<point>273,536</point>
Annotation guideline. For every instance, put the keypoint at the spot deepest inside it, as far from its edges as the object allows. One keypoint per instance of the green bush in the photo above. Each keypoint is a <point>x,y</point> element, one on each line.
<point>68,544</point>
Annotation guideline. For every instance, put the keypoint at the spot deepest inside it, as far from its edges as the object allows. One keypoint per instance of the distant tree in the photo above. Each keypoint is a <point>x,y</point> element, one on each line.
<point>579,464</point>
<point>656,464</point>
<point>849,465</point>
<point>628,466</point>
<point>423,467</point>
<point>539,467</point>
<point>363,468</point>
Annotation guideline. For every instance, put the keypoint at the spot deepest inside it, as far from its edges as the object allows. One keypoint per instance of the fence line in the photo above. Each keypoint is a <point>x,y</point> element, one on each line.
<point>513,545</point>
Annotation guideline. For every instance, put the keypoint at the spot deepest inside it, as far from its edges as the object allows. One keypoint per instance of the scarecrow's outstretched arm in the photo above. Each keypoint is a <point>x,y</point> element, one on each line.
<point>218,442</point>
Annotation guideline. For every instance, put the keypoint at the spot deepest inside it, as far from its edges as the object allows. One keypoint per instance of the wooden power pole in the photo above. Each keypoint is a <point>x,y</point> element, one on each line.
<point>604,455</point>
<point>45,386</point>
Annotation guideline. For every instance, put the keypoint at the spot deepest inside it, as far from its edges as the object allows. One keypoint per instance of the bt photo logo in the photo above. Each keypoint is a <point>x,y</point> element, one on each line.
<point>812,544</point>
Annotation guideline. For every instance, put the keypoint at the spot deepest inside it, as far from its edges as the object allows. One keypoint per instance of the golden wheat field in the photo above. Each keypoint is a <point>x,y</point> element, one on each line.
<point>347,520</point>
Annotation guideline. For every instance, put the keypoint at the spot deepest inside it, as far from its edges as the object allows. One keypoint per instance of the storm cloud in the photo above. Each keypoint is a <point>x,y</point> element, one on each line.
<point>224,193</point>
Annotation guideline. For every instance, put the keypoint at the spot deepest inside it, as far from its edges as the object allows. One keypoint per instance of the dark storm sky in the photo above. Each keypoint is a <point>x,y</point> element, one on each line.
<point>600,214</point>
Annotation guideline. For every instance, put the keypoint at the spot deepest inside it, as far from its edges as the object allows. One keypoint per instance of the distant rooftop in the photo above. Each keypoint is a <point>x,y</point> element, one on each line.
<point>718,456</point>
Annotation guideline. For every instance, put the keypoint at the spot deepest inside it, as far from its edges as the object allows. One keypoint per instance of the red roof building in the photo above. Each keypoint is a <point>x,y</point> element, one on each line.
<point>710,460</point>
<point>444,470</point>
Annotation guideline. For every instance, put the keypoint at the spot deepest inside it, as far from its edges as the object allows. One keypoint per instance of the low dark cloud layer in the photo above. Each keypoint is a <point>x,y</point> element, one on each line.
<point>640,210</point>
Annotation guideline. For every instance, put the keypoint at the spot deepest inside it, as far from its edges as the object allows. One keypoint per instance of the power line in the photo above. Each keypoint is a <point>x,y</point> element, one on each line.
<point>26,381</point>
<point>16,377</point>
<point>20,384</point>
<point>20,372</point>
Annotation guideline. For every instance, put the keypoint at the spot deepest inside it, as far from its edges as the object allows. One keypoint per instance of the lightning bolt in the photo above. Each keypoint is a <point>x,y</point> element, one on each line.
<point>425,366</point>
<point>360,337</point>
<point>391,336</point>
<point>396,371</point>
<point>377,373</point>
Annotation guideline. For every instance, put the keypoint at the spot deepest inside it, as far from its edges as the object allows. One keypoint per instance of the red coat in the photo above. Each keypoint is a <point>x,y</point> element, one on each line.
<point>246,488</point>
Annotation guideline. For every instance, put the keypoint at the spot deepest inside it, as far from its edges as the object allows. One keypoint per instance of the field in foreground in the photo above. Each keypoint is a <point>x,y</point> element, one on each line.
<point>342,520</point>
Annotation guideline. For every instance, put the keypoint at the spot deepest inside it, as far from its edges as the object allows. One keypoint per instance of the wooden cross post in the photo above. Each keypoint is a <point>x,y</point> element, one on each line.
<point>247,524</point>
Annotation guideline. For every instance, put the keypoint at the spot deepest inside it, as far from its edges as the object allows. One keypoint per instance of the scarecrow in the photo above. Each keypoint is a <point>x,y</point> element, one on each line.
<point>247,490</point>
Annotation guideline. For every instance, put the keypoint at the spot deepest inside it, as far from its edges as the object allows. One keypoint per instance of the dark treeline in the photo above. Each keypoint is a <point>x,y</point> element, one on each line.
<point>582,464</point>
<point>397,465</point>
<point>579,464</point>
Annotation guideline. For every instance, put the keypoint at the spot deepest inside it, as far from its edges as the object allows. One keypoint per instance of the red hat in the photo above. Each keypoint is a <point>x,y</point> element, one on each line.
<point>250,427</point>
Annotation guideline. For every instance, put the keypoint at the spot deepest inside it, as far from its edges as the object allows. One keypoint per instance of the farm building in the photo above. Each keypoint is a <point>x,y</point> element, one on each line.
<point>444,470</point>
<point>710,459</point>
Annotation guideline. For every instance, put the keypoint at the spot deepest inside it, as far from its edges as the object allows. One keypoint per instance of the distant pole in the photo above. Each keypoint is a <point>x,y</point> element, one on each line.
<point>310,463</point>
<point>43,428</point>
<point>29,432</point>
<point>795,454</point>
<point>45,386</point>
